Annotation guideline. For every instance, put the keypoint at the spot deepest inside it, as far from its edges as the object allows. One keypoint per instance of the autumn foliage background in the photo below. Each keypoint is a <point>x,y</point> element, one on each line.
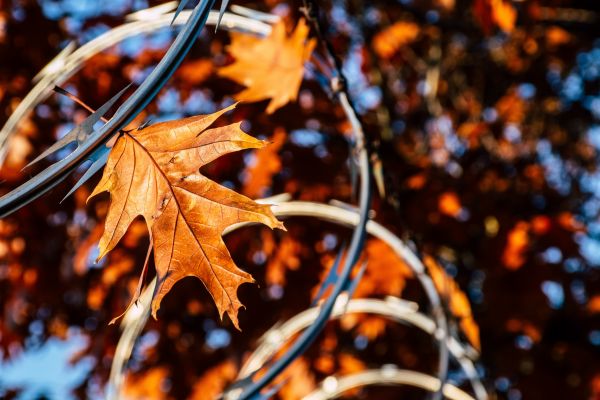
<point>485,116</point>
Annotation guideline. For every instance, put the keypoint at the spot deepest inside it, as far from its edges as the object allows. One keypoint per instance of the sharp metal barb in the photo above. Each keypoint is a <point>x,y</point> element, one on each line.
<point>180,8</point>
<point>224,4</point>
<point>81,131</point>
<point>56,173</point>
<point>146,124</point>
<point>99,159</point>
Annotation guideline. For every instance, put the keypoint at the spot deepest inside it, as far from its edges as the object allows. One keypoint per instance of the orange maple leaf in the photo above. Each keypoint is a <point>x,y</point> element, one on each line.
<point>270,68</point>
<point>154,173</point>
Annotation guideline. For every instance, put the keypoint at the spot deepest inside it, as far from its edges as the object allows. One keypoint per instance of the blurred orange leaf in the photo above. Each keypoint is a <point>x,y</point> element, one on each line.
<point>568,222</point>
<point>299,381</point>
<point>457,300</point>
<point>593,305</point>
<point>517,243</point>
<point>541,224</point>
<point>266,163</point>
<point>449,204</point>
<point>514,325</point>
<point>270,68</point>
<point>556,36</point>
<point>82,255</point>
<point>500,13</point>
<point>147,385</point>
<point>286,257</point>
<point>416,181</point>
<point>371,327</point>
<point>511,108</point>
<point>196,71</point>
<point>472,131</point>
<point>387,42</point>
<point>386,273</point>
<point>214,381</point>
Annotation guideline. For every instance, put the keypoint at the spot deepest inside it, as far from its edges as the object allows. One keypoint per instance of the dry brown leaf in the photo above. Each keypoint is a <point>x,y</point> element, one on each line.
<point>266,164</point>
<point>457,300</point>
<point>270,68</point>
<point>154,173</point>
<point>387,42</point>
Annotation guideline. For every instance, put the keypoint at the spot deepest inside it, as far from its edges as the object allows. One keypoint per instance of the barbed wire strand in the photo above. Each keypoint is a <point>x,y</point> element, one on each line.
<point>282,207</point>
<point>339,87</point>
<point>392,308</point>
<point>68,62</point>
<point>139,99</point>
